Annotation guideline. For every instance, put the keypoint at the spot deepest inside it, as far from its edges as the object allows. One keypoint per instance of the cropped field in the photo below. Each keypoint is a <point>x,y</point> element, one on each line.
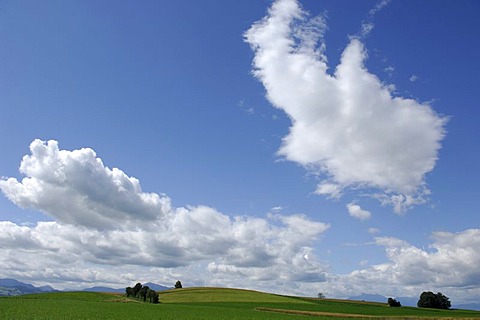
<point>206,303</point>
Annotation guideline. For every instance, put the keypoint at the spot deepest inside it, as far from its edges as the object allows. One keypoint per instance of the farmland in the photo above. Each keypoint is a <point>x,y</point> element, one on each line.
<point>206,303</point>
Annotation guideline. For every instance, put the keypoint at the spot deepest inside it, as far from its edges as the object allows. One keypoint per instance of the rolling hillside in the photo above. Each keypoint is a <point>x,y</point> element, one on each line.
<point>206,303</point>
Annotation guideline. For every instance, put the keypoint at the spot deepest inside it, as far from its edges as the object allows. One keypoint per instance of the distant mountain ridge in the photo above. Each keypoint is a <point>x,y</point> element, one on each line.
<point>468,306</point>
<point>405,301</point>
<point>156,287</point>
<point>103,289</point>
<point>153,286</point>
<point>409,301</point>
<point>12,287</point>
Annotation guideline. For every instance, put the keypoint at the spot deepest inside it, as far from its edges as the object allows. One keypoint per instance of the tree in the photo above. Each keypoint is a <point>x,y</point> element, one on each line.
<point>393,303</point>
<point>136,289</point>
<point>152,296</point>
<point>321,295</point>
<point>142,293</point>
<point>178,285</point>
<point>429,299</point>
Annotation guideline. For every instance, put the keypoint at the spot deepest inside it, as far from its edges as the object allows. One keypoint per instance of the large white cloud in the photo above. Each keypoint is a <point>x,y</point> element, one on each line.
<point>103,218</point>
<point>452,261</point>
<point>449,265</point>
<point>75,187</point>
<point>275,253</point>
<point>347,126</point>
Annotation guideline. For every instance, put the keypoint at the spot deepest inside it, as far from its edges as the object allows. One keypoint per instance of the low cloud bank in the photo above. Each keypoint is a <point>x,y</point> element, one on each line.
<point>102,217</point>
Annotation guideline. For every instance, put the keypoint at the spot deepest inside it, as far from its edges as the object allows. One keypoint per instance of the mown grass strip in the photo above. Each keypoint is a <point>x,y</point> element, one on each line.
<point>356,316</point>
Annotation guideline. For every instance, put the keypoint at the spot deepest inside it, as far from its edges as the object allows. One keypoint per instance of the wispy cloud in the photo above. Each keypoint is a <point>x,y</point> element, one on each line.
<point>367,24</point>
<point>244,107</point>
<point>389,70</point>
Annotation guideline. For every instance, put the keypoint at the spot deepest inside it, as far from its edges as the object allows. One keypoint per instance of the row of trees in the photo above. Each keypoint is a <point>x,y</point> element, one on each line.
<point>143,293</point>
<point>146,294</point>
<point>427,299</point>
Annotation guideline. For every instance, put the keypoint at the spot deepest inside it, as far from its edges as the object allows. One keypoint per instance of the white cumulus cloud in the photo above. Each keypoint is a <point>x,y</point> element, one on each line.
<point>103,218</point>
<point>357,212</point>
<point>346,126</point>
<point>449,265</point>
<point>75,187</point>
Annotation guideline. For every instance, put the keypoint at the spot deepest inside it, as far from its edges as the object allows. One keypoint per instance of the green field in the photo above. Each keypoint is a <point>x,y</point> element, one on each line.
<point>206,303</point>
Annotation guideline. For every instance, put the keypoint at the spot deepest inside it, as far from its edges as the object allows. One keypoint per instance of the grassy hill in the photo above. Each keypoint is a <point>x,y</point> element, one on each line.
<point>206,303</point>
<point>209,295</point>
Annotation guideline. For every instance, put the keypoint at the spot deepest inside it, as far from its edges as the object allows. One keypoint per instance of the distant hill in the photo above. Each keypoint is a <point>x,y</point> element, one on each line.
<point>12,287</point>
<point>156,287</point>
<point>103,289</point>
<point>409,301</point>
<point>46,289</point>
<point>369,297</point>
<point>9,291</point>
<point>151,285</point>
<point>210,303</point>
<point>467,306</point>
<point>405,301</point>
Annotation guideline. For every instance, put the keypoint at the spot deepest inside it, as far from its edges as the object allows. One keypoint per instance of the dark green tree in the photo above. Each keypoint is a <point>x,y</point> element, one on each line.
<point>142,294</point>
<point>426,300</point>
<point>178,285</point>
<point>429,299</point>
<point>136,289</point>
<point>393,303</point>
<point>152,296</point>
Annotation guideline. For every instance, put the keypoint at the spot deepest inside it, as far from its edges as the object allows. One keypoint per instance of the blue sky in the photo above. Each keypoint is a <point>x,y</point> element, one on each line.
<point>268,154</point>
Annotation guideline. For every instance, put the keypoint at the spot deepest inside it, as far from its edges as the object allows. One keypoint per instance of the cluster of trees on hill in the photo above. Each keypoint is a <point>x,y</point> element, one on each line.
<point>143,293</point>
<point>394,303</point>
<point>427,299</point>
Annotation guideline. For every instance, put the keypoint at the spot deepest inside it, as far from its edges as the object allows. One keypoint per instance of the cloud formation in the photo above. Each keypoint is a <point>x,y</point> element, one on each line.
<point>450,264</point>
<point>103,218</point>
<point>367,24</point>
<point>357,212</point>
<point>75,187</point>
<point>347,127</point>
<point>275,253</point>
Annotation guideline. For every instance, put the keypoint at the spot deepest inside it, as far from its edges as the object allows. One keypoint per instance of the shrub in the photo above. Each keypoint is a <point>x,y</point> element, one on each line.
<point>393,303</point>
